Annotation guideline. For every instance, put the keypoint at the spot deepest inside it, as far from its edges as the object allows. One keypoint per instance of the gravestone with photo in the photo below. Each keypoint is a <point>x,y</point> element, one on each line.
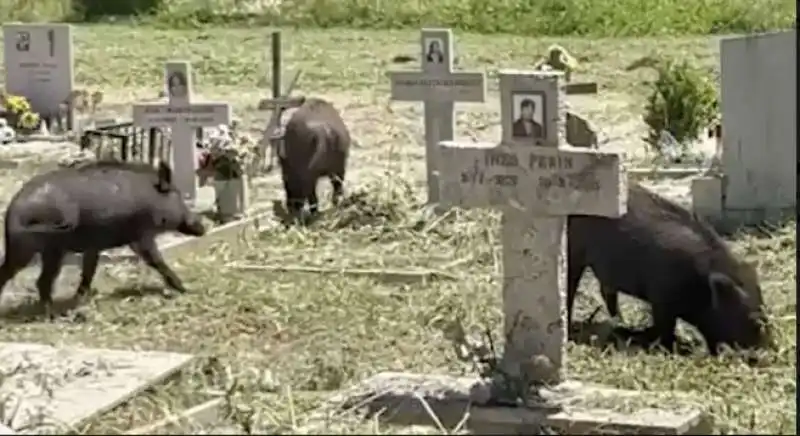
<point>536,184</point>
<point>438,86</point>
<point>39,66</point>
<point>759,133</point>
<point>183,117</point>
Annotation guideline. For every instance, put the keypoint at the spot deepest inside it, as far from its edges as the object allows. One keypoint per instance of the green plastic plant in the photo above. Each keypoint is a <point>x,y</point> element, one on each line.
<point>683,101</point>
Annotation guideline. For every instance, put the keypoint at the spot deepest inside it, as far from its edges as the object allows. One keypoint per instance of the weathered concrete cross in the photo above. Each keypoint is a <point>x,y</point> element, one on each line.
<point>182,117</point>
<point>439,87</point>
<point>536,184</point>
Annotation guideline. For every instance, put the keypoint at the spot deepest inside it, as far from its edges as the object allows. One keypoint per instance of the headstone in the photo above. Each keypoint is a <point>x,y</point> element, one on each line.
<point>39,64</point>
<point>183,117</point>
<point>535,183</point>
<point>438,87</point>
<point>54,388</point>
<point>759,132</point>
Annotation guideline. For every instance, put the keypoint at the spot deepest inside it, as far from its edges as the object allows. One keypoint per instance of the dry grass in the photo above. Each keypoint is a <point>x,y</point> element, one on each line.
<point>286,338</point>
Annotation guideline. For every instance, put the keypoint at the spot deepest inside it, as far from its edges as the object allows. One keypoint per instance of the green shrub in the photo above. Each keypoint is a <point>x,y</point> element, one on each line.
<point>91,10</point>
<point>683,101</point>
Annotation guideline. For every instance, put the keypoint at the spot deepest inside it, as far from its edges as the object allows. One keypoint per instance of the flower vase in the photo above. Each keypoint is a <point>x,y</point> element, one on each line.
<point>231,198</point>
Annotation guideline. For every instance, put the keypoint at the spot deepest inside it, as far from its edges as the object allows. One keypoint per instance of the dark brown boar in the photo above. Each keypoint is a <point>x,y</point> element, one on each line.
<point>88,209</point>
<point>316,144</point>
<point>663,254</point>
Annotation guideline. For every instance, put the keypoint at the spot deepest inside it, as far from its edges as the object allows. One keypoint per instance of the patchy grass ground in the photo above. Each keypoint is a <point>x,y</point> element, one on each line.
<point>288,338</point>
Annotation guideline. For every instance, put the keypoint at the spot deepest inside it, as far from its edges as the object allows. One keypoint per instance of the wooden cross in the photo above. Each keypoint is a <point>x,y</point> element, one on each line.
<point>438,87</point>
<point>182,117</point>
<point>536,184</point>
<point>280,101</point>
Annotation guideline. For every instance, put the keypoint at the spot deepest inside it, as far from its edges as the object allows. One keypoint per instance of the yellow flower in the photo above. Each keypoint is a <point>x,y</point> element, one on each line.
<point>17,105</point>
<point>28,120</point>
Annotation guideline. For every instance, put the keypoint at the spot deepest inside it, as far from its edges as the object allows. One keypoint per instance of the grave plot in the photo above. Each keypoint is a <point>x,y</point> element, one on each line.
<point>183,117</point>
<point>536,184</point>
<point>45,389</point>
<point>759,133</point>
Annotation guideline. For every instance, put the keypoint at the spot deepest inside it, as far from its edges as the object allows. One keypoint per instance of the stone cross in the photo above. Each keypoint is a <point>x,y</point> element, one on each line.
<point>39,64</point>
<point>536,183</point>
<point>182,117</point>
<point>438,87</point>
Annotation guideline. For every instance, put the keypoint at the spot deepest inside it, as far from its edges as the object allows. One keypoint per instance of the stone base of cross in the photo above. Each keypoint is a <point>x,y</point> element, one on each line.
<point>536,184</point>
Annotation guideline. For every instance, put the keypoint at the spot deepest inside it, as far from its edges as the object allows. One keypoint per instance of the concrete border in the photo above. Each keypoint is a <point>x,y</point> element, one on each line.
<point>708,201</point>
<point>664,173</point>
<point>412,399</point>
<point>183,245</point>
<point>388,275</point>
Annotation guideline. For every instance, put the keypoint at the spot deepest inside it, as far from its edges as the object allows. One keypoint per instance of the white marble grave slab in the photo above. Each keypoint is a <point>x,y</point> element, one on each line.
<point>56,388</point>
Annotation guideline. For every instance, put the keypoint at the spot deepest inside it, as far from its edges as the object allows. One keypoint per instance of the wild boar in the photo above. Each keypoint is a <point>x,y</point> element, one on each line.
<point>316,144</point>
<point>88,209</point>
<point>663,254</point>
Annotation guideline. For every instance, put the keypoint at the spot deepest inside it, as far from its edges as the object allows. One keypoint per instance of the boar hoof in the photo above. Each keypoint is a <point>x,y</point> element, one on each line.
<point>170,293</point>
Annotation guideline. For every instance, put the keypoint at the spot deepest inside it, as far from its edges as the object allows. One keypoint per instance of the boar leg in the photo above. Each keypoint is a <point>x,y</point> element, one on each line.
<point>313,201</point>
<point>88,270</point>
<point>611,299</point>
<point>662,331</point>
<point>337,183</point>
<point>574,273</point>
<point>16,258</point>
<point>147,250</point>
<point>52,260</point>
<point>294,201</point>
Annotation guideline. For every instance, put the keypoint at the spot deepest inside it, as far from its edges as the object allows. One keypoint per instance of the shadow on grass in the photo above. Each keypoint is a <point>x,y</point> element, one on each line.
<point>604,335</point>
<point>140,291</point>
<point>29,310</point>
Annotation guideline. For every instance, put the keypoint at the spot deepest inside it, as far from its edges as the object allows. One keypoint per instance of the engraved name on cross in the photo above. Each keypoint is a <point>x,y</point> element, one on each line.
<point>536,183</point>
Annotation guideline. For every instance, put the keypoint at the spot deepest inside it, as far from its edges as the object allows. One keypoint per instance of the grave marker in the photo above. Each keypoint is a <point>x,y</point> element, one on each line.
<point>39,64</point>
<point>182,117</point>
<point>759,133</point>
<point>82,383</point>
<point>536,184</point>
<point>439,88</point>
<point>279,102</point>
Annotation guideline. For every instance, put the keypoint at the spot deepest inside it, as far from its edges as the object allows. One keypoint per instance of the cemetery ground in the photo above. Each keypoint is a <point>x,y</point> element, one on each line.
<point>281,341</point>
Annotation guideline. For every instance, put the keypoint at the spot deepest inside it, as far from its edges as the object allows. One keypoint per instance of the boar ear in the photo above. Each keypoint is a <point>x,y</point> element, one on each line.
<point>164,177</point>
<point>724,289</point>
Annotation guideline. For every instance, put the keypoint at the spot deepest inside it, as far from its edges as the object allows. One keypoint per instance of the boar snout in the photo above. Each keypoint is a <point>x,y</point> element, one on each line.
<point>192,226</point>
